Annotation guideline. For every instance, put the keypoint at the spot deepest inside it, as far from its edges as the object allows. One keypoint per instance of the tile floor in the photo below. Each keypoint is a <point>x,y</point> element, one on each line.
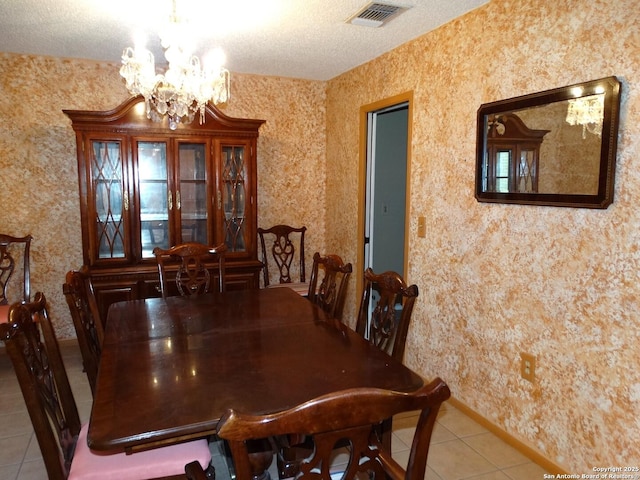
<point>460,449</point>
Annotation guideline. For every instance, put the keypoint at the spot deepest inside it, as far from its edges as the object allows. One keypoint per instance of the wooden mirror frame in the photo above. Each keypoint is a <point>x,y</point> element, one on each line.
<point>608,148</point>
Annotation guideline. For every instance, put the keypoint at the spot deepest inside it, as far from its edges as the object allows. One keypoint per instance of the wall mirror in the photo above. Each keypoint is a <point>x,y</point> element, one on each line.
<point>556,147</point>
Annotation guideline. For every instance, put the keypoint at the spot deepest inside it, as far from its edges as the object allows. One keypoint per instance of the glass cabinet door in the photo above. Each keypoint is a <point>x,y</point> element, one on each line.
<point>111,200</point>
<point>234,196</point>
<point>155,199</point>
<point>191,194</point>
<point>510,169</point>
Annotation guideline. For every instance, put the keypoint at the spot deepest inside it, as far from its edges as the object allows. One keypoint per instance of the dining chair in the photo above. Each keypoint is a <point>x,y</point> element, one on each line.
<point>350,415</point>
<point>390,315</point>
<point>14,250</point>
<point>282,248</point>
<point>54,414</point>
<point>78,291</point>
<point>192,276</point>
<point>329,292</point>
<point>383,319</point>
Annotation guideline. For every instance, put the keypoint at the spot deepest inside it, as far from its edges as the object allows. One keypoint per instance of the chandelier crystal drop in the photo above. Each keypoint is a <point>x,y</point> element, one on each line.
<point>587,111</point>
<point>186,85</point>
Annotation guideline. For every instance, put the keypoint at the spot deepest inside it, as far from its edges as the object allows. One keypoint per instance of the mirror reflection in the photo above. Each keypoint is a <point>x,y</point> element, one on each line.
<point>551,148</point>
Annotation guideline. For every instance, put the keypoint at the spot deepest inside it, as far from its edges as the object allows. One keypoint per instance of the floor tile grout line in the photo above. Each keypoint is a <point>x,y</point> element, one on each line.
<point>524,462</point>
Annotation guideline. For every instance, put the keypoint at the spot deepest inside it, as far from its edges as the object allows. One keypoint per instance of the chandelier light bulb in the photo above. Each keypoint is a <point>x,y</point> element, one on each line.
<point>214,60</point>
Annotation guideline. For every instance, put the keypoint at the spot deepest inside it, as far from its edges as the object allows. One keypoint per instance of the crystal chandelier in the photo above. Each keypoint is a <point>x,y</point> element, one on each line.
<point>186,85</point>
<point>588,112</point>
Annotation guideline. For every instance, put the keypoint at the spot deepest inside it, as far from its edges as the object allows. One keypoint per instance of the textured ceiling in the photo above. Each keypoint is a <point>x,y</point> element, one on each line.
<point>291,38</point>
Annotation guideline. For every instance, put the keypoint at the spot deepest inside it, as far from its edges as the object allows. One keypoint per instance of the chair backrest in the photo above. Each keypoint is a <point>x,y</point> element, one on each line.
<point>278,245</point>
<point>352,415</point>
<point>329,294</point>
<point>390,317</point>
<point>44,383</point>
<point>192,276</point>
<point>78,290</point>
<point>12,251</point>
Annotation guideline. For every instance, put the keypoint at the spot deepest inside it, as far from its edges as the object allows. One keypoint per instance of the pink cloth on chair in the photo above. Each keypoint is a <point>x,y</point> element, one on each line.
<point>158,462</point>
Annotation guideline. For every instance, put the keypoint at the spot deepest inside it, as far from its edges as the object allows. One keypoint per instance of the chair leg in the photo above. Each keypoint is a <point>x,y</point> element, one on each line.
<point>210,472</point>
<point>260,457</point>
<point>385,433</point>
<point>290,452</point>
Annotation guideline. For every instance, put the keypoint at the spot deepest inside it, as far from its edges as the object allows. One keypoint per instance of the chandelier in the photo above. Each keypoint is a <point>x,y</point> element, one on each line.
<point>186,85</point>
<point>588,112</point>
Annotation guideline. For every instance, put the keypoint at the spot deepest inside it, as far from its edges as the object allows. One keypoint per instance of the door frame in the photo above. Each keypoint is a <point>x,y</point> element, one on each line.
<point>406,97</point>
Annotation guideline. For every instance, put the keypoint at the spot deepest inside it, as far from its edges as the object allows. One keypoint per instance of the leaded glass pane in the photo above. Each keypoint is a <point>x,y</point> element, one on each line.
<point>526,172</point>
<point>234,197</point>
<point>108,188</point>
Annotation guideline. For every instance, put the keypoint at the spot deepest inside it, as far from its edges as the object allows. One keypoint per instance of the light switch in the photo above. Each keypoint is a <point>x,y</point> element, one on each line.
<point>422,227</point>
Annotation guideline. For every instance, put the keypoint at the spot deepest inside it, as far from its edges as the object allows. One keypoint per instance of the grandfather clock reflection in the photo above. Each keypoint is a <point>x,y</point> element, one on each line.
<point>512,156</point>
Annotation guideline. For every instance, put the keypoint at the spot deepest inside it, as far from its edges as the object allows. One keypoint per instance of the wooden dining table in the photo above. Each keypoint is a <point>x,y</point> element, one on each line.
<point>170,368</point>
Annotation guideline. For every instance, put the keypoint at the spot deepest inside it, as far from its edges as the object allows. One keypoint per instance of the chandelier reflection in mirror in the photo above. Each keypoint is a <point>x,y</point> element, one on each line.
<point>187,84</point>
<point>587,111</point>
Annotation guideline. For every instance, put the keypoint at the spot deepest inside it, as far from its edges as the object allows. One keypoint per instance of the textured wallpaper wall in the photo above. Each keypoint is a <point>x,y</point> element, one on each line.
<point>497,280</point>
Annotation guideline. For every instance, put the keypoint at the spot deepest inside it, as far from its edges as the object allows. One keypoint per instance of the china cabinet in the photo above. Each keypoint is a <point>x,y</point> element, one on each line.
<point>144,185</point>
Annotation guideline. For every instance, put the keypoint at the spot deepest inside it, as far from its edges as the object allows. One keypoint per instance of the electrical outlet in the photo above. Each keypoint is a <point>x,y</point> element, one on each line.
<point>528,367</point>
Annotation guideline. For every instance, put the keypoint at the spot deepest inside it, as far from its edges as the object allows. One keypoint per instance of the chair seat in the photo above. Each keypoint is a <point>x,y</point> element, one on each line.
<point>159,462</point>
<point>301,288</point>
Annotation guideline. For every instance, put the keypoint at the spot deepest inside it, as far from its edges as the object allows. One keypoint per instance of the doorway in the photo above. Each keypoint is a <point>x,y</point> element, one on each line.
<point>383,217</point>
<point>385,202</point>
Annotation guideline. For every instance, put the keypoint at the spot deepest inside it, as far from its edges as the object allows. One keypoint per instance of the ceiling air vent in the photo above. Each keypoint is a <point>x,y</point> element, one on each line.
<point>375,14</point>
